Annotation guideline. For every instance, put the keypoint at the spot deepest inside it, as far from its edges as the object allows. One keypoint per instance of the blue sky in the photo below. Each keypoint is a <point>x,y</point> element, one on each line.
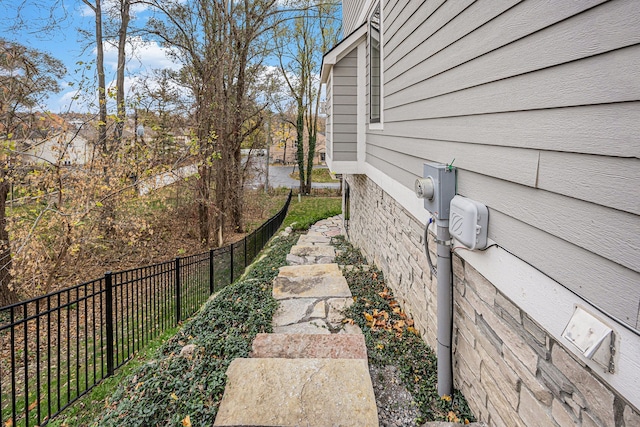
<point>67,44</point>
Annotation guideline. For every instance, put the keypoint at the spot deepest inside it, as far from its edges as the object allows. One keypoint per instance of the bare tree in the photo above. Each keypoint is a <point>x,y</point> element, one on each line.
<point>125,17</point>
<point>217,41</point>
<point>27,76</point>
<point>299,46</point>
<point>96,7</point>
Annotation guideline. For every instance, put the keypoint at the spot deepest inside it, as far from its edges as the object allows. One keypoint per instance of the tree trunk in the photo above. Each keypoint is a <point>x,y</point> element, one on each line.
<point>7,295</point>
<point>310,155</point>
<point>203,203</point>
<point>122,41</point>
<point>236,182</point>
<point>300,142</point>
<point>102,85</point>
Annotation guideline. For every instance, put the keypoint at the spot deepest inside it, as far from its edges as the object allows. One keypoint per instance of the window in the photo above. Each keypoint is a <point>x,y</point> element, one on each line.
<point>375,66</point>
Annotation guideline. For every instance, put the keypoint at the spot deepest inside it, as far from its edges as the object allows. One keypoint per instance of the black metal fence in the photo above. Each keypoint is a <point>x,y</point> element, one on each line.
<point>56,348</point>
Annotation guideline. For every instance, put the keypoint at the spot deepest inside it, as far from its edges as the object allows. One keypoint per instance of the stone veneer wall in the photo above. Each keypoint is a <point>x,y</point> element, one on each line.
<point>511,371</point>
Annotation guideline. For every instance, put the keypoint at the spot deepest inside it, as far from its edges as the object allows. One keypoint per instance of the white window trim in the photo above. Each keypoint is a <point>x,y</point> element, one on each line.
<point>369,9</point>
<point>365,12</point>
<point>329,158</point>
<point>362,114</point>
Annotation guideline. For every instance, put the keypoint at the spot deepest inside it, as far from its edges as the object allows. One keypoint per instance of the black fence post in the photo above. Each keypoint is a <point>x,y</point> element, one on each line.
<point>231,251</point>
<point>245,251</point>
<point>211,273</point>
<point>178,290</point>
<point>108,288</point>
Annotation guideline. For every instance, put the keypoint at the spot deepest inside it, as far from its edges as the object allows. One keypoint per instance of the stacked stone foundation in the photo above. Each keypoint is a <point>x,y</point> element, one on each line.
<point>511,370</point>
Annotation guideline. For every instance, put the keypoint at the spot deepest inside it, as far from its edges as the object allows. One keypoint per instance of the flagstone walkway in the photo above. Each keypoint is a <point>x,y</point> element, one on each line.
<point>313,370</point>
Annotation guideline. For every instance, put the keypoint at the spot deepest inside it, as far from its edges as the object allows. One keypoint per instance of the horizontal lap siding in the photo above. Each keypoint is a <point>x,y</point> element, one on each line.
<point>350,12</point>
<point>530,226</point>
<point>539,104</point>
<point>344,99</point>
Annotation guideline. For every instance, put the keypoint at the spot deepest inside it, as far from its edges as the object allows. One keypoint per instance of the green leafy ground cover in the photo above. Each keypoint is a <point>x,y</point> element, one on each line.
<point>186,390</point>
<point>135,403</point>
<point>83,411</point>
<point>392,340</point>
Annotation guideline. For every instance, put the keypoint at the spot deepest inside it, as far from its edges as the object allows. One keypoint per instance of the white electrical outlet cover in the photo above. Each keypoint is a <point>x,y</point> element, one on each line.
<point>586,332</point>
<point>468,222</point>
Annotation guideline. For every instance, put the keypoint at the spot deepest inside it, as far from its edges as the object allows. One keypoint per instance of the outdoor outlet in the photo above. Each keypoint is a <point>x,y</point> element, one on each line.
<point>468,222</point>
<point>593,338</point>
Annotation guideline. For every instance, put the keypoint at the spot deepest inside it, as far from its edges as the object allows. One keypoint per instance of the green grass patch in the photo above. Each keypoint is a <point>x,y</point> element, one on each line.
<point>317,175</point>
<point>310,210</point>
<point>165,390</point>
<point>392,340</point>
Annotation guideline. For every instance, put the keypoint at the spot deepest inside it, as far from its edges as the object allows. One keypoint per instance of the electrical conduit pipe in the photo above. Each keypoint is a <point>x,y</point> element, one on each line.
<point>442,271</point>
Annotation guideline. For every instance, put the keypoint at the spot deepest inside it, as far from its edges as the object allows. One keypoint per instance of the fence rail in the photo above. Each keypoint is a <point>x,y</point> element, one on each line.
<point>56,348</point>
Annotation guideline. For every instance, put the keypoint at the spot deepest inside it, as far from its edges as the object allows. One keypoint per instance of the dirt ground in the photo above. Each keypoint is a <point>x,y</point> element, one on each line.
<point>173,226</point>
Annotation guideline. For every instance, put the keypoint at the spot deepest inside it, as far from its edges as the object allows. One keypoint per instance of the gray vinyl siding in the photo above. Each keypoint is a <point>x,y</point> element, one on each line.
<point>539,105</point>
<point>345,104</point>
<point>350,12</point>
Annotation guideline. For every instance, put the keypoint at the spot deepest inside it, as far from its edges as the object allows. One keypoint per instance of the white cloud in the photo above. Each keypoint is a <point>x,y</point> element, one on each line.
<point>141,55</point>
<point>142,58</point>
<point>112,7</point>
<point>85,10</point>
<point>71,100</point>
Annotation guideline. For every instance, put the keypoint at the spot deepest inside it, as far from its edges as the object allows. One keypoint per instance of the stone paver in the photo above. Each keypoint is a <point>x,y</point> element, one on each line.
<point>313,250</point>
<point>305,240</point>
<point>298,392</point>
<point>319,309</point>
<point>296,346</point>
<point>315,326</point>
<point>311,254</point>
<point>337,306</point>
<point>313,370</point>
<point>294,311</point>
<point>307,281</point>
<point>310,271</point>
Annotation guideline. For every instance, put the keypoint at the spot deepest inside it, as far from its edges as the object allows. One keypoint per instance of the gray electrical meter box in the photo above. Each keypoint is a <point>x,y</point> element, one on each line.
<point>444,185</point>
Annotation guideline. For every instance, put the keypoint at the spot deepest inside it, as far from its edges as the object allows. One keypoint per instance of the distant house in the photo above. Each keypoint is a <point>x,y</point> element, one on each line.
<point>286,152</point>
<point>56,140</point>
<point>64,148</point>
<point>537,105</point>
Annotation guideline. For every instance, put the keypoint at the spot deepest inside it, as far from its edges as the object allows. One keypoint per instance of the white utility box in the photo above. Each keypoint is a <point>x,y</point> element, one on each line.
<point>468,222</point>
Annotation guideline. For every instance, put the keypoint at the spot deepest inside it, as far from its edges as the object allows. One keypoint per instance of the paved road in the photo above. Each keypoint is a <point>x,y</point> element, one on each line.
<point>279,177</point>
